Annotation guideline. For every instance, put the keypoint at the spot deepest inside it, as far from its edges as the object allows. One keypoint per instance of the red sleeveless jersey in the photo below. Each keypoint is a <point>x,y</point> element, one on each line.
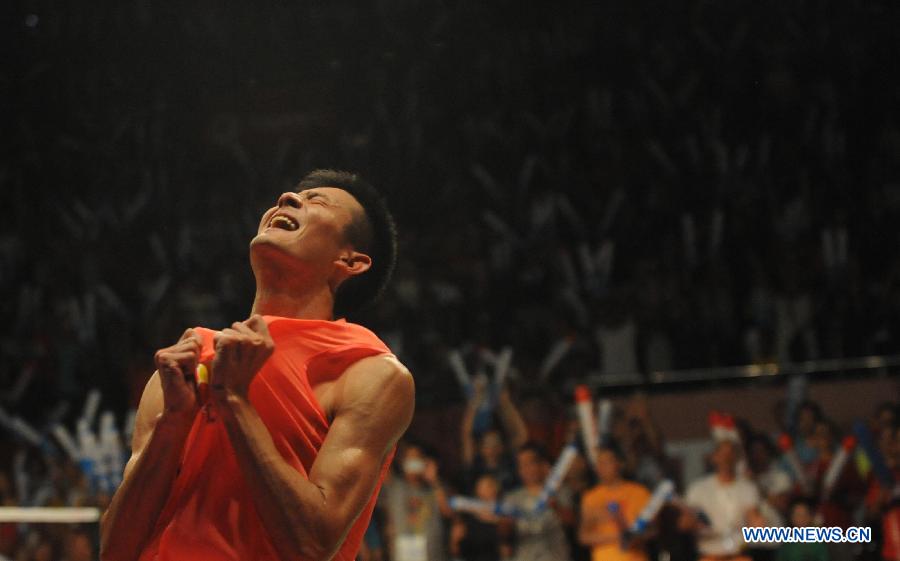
<point>210,514</point>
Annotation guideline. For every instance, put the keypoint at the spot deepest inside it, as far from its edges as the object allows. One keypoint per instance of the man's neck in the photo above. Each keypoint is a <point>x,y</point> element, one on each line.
<point>726,475</point>
<point>318,304</point>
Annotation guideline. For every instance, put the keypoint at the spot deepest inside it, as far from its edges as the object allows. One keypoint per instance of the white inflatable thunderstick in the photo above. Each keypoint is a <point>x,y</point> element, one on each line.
<point>661,494</point>
<point>478,506</point>
<point>455,359</point>
<point>786,444</point>
<point>585,410</point>
<point>557,474</point>
<point>836,467</point>
<point>604,421</point>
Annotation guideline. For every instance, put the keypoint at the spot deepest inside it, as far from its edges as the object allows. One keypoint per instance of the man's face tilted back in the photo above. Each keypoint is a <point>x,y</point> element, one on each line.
<point>306,230</point>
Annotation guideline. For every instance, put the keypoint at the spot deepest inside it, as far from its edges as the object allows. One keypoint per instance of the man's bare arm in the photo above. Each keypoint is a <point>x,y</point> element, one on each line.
<point>468,423</point>
<point>164,417</point>
<point>309,517</point>
<point>516,431</point>
<point>156,451</point>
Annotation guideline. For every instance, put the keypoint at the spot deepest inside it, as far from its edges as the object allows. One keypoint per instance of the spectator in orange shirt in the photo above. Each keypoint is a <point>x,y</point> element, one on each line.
<point>609,509</point>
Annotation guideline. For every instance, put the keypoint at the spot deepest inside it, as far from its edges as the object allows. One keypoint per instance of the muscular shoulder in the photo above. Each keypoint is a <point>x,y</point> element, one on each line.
<point>374,372</point>
<point>379,386</point>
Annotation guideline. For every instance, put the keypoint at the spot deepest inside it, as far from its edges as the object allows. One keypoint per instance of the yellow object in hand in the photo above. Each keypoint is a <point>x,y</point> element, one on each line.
<point>202,374</point>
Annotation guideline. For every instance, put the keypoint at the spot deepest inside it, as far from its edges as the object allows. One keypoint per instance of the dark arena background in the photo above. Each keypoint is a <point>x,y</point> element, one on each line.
<point>685,213</point>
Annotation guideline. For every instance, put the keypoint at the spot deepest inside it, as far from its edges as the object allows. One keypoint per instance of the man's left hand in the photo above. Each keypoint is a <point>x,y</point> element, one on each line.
<point>241,351</point>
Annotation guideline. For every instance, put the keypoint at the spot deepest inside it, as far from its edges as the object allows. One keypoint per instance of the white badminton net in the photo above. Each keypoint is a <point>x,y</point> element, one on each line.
<point>49,515</point>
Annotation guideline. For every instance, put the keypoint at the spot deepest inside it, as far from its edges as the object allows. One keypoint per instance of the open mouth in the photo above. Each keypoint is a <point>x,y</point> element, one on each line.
<point>283,222</point>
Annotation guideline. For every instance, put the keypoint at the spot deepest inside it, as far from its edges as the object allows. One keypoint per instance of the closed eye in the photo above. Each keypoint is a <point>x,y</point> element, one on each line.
<point>312,195</point>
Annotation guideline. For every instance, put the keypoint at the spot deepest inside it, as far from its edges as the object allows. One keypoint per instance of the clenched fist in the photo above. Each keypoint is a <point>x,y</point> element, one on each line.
<point>241,351</point>
<point>176,366</point>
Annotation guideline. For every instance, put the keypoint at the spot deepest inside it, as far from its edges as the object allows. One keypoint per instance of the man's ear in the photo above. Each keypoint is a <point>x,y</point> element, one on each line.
<point>353,263</point>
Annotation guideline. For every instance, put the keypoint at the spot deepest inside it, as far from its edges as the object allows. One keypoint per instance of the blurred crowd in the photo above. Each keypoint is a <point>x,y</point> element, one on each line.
<point>496,503</point>
<point>675,186</point>
<point>46,477</point>
<point>593,513</point>
<point>610,189</point>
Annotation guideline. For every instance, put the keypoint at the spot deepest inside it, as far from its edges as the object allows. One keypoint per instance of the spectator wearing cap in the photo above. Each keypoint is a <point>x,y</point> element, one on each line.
<point>719,505</point>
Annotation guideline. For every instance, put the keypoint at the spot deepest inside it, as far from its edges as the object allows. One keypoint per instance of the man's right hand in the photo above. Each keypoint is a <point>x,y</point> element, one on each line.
<point>156,450</point>
<point>177,367</point>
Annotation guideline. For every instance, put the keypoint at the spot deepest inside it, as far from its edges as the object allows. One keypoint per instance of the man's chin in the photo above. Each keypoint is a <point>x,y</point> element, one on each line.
<point>264,240</point>
<point>265,247</point>
<point>264,251</point>
<point>267,235</point>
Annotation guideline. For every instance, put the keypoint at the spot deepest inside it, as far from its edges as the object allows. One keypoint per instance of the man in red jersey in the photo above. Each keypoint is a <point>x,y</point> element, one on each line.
<point>283,457</point>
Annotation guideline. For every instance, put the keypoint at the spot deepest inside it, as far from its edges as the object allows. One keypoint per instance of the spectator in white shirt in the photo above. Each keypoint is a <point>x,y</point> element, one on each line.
<point>720,504</point>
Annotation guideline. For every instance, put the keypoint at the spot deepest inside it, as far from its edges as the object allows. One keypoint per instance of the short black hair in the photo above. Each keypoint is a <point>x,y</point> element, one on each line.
<point>833,429</point>
<point>537,449</point>
<point>374,234</point>
<point>763,440</point>
<point>426,450</point>
<point>614,448</point>
<point>887,406</point>
<point>814,407</point>
<point>810,504</point>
